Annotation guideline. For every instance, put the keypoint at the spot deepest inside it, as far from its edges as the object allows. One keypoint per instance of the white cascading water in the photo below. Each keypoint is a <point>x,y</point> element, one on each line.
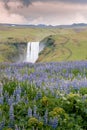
<point>32,52</point>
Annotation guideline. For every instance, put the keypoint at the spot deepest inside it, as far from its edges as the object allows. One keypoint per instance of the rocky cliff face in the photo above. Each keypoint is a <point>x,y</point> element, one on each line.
<point>16,51</point>
<point>12,52</point>
<point>21,51</point>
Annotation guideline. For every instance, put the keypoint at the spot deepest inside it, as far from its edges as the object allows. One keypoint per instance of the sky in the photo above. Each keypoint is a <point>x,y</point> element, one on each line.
<point>50,12</point>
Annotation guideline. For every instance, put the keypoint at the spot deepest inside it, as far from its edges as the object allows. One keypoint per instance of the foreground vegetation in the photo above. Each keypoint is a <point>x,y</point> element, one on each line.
<point>48,96</point>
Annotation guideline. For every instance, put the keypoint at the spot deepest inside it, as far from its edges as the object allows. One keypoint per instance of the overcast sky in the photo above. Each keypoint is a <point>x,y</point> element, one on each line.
<point>54,12</point>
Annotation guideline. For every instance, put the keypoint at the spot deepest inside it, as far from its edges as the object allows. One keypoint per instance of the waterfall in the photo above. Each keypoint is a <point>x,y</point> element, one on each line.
<point>32,52</point>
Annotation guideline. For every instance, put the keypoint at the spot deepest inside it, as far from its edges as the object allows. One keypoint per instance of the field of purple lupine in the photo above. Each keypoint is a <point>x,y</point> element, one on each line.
<point>43,96</point>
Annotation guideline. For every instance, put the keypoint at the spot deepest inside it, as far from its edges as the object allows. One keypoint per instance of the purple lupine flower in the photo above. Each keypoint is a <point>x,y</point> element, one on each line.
<point>11,100</point>
<point>11,113</point>
<point>11,117</point>
<point>18,98</point>
<point>35,111</point>
<point>39,117</point>
<point>2,124</point>
<point>18,90</point>
<point>1,99</point>
<point>39,95</point>
<point>53,122</point>
<point>26,101</point>
<point>46,117</point>
<point>29,112</point>
<point>1,89</point>
<point>6,96</point>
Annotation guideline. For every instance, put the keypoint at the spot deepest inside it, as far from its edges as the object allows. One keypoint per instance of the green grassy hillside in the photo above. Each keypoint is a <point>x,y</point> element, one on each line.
<point>68,44</point>
<point>13,39</point>
<point>24,34</point>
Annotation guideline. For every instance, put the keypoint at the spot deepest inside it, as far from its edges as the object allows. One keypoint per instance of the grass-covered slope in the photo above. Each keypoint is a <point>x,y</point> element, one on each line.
<point>68,44</point>
<point>12,37</point>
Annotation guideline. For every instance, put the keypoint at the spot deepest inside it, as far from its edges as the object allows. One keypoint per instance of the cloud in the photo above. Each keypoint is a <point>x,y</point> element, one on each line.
<point>43,11</point>
<point>28,2</point>
<point>6,17</point>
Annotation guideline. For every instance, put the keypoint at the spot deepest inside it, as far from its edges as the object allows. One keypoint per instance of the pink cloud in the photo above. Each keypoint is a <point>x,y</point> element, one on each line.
<point>43,12</point>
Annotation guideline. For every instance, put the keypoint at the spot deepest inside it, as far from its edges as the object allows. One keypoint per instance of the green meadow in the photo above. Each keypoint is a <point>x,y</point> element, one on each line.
<point>68,44</point>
